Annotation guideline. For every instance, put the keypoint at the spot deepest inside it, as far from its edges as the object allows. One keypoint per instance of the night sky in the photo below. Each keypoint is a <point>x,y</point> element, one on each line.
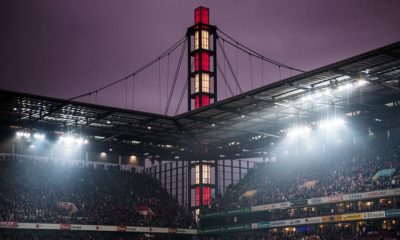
<point>65,48</point>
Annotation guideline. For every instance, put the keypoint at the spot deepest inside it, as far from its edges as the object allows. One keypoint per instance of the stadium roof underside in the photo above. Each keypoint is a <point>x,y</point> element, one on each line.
<point>244,124</point>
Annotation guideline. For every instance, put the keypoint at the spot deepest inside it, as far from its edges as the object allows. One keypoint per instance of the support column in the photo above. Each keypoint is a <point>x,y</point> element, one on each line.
<point>201,185</point>
<point>189,185</point>
<point>216,178</point>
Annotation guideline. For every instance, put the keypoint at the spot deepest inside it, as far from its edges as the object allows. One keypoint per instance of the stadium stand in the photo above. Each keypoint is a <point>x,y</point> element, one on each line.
<point>351,171</point>
<point>275,192</point>
<point>45,192</point>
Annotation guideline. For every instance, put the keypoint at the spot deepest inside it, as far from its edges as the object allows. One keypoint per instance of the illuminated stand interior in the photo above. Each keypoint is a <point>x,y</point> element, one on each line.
<point>202,91</point>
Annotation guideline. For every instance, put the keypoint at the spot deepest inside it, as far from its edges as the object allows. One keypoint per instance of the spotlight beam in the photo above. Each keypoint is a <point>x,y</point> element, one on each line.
<point>297,108</point>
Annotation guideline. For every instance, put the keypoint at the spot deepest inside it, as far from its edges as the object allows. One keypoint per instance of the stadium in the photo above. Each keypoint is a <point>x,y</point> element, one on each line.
<point>310,155</point>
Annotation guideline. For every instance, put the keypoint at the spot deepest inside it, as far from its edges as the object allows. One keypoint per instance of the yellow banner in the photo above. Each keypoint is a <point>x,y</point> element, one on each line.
<point>334,218</point>
<point>351,217</point>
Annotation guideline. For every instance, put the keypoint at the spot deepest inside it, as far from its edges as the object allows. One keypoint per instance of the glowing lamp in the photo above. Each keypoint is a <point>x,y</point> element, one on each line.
<point>201,15</point>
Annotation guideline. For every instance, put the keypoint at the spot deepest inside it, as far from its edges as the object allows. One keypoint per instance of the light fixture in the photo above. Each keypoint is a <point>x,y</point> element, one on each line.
<point>299,131</point>
<point>331,123</point>
<point>345,77</point>
<point>348,85</point>
<point>328,92</point>
<point>38,136</point>
<point>361,82</point>
<point>69,139</point>
<point>23,134</point>
<point>317,94</point>
<point>286,152</point>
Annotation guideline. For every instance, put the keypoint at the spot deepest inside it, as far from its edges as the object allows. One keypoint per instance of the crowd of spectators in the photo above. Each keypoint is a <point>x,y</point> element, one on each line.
<point>49,192</point>
<point>347,170</point>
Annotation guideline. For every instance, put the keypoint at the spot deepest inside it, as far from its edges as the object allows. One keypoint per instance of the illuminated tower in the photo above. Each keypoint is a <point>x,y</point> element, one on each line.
<point>202,61</point>
<point>202,91</point>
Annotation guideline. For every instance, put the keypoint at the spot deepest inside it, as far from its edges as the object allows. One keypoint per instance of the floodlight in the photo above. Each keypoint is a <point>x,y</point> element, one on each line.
<point>348,85</point>
<point>294,132</point>
<point>341,87</point>
<point>339,122</point>
<point>317,94</point>
<point>331,123</point>
<point>286,152</point>
<point>361,82</point>
<point>69,139</point>
<point>38,136</point>
<point>328,92</point>
<point>306,130</point>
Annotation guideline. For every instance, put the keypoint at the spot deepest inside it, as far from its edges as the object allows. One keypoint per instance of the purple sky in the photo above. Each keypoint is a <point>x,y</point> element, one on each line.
<point>65,48</point>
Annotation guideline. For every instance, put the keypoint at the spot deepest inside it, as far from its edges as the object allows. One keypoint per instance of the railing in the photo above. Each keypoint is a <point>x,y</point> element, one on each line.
<point>97,228</point>
<point>388,214</point>
<point>311,202</point>
<point>71,162</point>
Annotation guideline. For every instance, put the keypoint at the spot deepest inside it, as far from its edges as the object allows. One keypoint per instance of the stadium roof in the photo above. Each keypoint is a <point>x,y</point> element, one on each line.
<point>237,127</point>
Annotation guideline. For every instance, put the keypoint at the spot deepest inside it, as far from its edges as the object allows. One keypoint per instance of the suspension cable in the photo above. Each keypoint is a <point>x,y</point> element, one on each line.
<point>165,53</point>
<point>225,80</point>
<point>223,44</point>
<point>133,92</point>
<point>181,97</point>
<point>251,73</point>
<point>126,93</point>
<point>262,72</point>
<point>175,78</point>
<point>253,52</point>
<point>230,66</point>
<point>159,86</point>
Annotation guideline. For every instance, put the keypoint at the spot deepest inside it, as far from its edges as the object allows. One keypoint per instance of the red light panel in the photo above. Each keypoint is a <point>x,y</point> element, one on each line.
<point>205,101</point>
<point>201,15</point>
<point>205,61</point>
<point>206,196</point>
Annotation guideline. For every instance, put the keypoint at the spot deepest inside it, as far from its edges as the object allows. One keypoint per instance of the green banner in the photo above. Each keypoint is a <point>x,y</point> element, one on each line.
<point>263,225</point>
